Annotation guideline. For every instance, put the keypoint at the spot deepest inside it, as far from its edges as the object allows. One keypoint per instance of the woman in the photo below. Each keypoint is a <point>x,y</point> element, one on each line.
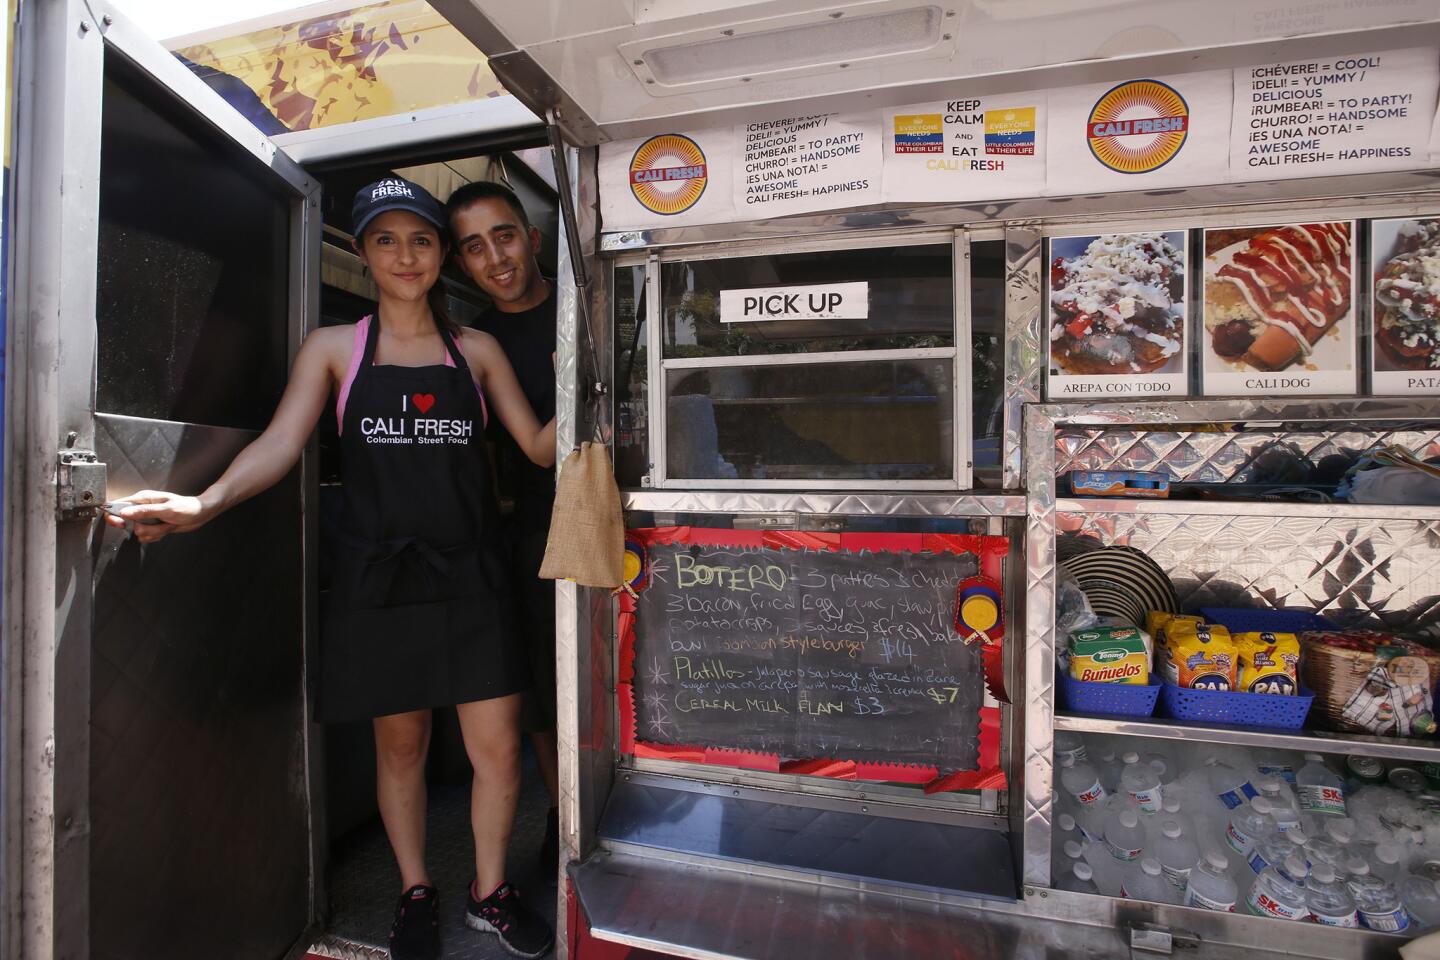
<point>420,615</point>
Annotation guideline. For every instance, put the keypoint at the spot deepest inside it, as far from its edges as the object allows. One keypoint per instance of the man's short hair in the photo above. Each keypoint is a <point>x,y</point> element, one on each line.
<point>479,190</point>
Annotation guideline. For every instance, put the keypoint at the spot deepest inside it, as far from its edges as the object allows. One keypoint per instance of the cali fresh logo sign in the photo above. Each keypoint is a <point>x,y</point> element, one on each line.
<point>668,174</point>
<point>416,427</point>
<point>1138,126</point>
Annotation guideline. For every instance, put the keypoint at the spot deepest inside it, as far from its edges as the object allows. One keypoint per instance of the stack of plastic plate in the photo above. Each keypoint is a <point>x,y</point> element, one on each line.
<point>1122,582</point>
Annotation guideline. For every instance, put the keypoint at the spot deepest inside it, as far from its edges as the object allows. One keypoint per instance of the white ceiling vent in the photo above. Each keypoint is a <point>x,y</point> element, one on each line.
<point>815,43</point>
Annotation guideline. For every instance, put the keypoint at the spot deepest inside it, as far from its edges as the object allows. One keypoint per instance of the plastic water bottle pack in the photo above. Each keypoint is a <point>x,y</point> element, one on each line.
<point>1313,838</point>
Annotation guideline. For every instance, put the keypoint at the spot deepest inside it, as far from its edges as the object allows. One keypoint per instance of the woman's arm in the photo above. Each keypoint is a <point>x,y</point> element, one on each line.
<point>260,465</point>
<point>508,400</point>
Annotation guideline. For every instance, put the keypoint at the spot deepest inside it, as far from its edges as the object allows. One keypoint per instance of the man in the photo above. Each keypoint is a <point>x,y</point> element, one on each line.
<point>495,247</point>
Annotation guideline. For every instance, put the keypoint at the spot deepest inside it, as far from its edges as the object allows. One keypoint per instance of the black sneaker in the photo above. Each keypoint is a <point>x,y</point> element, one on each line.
<point>520,930</point>
<point>415,934</point>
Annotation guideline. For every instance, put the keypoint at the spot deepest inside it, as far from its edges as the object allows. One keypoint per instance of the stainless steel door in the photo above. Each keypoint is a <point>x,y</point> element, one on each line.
<point>164,277</point>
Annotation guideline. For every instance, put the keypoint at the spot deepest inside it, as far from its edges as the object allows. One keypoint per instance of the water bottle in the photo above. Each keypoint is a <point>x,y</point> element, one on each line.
<point>1148,883</point>
<point>1421,897</point>
<point>1073,851</point>
<point>1276,763</point>
<point>1321,789</point>
<point>1109,766</point>
<point>1279,891</point>
<point>1379,905</point>
<point>1327,852</point>
<point>1080,880</point>
<point>1141,783</point>
<point>1091,821</point>
<point>1341,831</point>
<point>1248,824</point>
<point>1066,829</point>
<point>1071,745</point>
<point>1329,901</point>
<point>1080,780</point>
<point>1124,835</point>
<point>1209,887</point>
<point>1230,785</point>
<point>1176,851</point>
<point>1282,802</point>
<point>1356,868</point>
<point>1273,849</point>
<point>1385,862</point>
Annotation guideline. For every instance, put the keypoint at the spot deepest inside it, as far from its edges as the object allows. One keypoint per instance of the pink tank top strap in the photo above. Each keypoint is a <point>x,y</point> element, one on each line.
<point>357,355</point>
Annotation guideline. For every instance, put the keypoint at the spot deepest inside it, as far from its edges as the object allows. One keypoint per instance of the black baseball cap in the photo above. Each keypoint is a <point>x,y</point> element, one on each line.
<point>394,193</point>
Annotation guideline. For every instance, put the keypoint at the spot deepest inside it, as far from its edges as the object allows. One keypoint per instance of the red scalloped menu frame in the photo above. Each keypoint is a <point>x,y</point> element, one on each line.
<point>991,552</point>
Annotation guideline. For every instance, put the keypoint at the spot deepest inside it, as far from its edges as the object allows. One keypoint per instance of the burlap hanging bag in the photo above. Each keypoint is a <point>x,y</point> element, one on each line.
<point>587,531</point>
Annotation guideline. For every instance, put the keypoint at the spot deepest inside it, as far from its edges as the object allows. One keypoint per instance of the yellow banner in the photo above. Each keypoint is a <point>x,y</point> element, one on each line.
<point>372,60</point>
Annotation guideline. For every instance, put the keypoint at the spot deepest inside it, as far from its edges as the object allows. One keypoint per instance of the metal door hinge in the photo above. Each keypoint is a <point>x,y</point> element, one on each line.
<point>1150,938</point>
<point>766,521</point>
<point>80,485</point>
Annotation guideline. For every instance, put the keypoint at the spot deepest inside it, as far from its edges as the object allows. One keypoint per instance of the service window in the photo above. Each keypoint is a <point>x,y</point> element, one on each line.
<point>838,366</point>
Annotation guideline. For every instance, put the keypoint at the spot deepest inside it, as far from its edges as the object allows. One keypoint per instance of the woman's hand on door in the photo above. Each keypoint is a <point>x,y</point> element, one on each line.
<point>154,514</point>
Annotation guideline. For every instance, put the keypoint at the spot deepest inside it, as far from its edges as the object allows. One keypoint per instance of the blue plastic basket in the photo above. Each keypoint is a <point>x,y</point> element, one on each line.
<point>1246,620</point>
<point>1108,699</point>
<point>1234,709</point>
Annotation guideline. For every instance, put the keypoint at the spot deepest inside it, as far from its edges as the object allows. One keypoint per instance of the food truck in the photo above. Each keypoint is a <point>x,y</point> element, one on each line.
<point>1003,394</point>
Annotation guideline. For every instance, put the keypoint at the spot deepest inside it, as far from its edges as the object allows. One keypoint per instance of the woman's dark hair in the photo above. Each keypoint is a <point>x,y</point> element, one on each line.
<point>435,296</point>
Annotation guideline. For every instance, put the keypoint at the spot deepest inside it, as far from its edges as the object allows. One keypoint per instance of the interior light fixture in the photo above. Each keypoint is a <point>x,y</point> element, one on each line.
<point>835,40</point>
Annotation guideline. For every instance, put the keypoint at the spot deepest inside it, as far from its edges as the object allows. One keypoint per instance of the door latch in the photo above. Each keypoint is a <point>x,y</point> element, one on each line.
<point>80,484</point>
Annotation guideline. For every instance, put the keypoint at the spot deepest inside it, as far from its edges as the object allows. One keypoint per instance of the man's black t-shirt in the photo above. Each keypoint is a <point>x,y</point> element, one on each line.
<point>528,339</point>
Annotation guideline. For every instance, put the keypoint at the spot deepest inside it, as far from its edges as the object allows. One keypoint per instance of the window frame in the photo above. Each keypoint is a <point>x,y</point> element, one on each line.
<point>658,366</point>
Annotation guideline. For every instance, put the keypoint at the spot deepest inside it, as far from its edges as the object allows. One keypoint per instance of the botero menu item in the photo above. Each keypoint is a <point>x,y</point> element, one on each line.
<point>1279,310</point>
<point>1117,315</point>
<point>1406,255</point>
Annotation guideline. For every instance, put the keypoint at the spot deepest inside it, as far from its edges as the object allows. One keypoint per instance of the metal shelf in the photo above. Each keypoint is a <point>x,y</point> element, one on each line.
<point>1225,508</point>
<point>862,503</point>
<point>1389,748</point>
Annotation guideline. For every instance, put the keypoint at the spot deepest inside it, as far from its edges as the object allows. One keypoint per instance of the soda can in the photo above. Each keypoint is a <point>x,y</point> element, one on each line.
<point>1367,770</point>
<point>1407,778</point>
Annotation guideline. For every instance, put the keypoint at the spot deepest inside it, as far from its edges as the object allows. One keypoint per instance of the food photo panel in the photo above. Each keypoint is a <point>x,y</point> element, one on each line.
<point>1279,310</point>
<point>1117,316</point>
<point>1405,277</point>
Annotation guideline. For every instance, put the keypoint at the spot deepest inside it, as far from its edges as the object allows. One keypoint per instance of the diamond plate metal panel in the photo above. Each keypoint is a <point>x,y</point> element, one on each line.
<point>198,784</point>
<point>1025,347</point>
<point>1217,457</point>
<point>1039,701</point>
<point>1350,570</point>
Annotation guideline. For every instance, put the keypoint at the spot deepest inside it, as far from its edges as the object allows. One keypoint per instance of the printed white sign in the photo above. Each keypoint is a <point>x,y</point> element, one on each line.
<point>802,164</point>
<point>1346,114</point>
<point>969,148</point>
<point>1140,134</point>
<point>668,180</point>
<point>1405,294</point>
<point>830,301</point>
<point>1279,316</point>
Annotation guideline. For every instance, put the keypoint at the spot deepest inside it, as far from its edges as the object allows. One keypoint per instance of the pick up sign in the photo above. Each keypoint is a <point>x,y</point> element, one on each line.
<point>827,301</point>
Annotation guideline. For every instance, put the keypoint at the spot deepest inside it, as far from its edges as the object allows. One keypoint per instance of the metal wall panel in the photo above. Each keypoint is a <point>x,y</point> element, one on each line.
<point>197,772</point>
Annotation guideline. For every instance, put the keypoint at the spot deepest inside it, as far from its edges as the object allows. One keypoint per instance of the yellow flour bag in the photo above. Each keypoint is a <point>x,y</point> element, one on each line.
<point>1269,662</point>
<point>1199,656</point>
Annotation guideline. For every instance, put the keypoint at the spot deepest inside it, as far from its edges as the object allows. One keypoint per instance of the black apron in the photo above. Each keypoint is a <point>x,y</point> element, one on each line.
<point>420,613</point>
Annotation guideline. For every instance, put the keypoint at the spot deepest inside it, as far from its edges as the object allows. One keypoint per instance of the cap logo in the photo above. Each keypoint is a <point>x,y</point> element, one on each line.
<point>391,188</point>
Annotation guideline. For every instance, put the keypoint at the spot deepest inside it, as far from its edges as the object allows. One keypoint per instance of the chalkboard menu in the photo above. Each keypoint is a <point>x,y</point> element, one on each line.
<point>807,653</point>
